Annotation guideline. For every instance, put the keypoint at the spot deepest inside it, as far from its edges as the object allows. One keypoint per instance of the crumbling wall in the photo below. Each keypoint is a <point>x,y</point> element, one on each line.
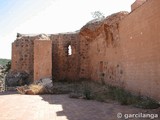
<point>122,50</point>
<point>87,34</point>
<point>23,55</point>
<point>102,49</point>
<point>140,41</point>
<point>83,58</point>
<point>65,66</point>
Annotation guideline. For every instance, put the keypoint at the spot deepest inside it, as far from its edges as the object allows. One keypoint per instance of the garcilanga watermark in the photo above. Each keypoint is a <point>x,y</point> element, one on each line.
<point>138,115</point>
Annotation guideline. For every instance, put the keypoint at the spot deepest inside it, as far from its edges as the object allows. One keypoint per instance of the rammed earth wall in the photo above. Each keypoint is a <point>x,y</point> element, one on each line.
<point>121,50</point>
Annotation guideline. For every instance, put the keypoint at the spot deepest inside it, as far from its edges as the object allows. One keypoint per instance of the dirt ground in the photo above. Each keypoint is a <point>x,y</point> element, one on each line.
<point>15,106</point>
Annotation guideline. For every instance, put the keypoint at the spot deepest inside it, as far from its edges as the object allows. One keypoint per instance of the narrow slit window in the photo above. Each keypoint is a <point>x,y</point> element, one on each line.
<point>69,50</point>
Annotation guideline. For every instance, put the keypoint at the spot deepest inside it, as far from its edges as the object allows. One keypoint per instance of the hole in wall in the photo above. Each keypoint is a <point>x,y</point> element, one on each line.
<point>69,50</point>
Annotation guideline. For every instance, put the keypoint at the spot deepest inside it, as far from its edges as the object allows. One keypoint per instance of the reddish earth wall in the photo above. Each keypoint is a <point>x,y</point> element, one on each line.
<point>83,58</point>
<point>137,4</point>
<point>140,42</point>
<point>122,50</point>
<point>102,50</point>
<point>23,55</point>
<point>42,59</point>
<point>65,67</point>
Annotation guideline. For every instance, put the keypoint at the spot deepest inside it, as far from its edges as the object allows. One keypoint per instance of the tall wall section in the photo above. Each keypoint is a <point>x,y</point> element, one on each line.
<point>42,59</point>
<point>88,33</point>
<point>83,58</point>
<point>65,66</point>
<point>103,51</point>
<point>140,42</point>
<point>23,55</point>
<point>122,50</point>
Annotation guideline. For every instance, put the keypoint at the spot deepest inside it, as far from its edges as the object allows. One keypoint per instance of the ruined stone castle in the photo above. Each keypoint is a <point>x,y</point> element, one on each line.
<point>122,50</point>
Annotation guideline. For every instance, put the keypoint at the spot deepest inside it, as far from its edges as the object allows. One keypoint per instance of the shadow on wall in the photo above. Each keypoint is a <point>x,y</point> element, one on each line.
<point>65,61</point>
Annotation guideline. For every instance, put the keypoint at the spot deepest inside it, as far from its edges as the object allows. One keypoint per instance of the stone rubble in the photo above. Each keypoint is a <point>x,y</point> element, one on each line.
<point>14,78</point>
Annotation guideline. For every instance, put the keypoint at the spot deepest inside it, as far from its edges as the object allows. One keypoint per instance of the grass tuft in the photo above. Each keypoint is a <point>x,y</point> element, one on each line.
<point>94,91</point>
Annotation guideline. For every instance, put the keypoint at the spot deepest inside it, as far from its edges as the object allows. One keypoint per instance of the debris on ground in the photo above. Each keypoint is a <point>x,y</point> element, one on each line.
<point>42,86</point>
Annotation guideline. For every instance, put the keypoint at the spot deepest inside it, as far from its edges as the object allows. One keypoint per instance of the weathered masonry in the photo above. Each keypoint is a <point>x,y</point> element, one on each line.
<point>122,50</point>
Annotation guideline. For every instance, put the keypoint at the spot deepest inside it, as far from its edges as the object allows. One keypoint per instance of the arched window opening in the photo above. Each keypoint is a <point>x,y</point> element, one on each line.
<point>69,50</point>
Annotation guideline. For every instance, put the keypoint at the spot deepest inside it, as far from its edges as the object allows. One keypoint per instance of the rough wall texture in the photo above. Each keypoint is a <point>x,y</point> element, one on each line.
<point>42,59</point>
<point>140,42</point>
<point>102,49</point>
<point>23,55</point>
<point>122,50</point>
<point>65,66</point>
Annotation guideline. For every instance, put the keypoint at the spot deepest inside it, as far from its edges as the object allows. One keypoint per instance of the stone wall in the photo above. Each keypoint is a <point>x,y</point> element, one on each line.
<point>23,55</point>
<point>102,50</point>
<point>121,50</point>
<point>65,66</point>
<point>140,42</point>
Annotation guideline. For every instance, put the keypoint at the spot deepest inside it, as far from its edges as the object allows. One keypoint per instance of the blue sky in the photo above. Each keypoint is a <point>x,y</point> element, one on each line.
<point>49,16</point>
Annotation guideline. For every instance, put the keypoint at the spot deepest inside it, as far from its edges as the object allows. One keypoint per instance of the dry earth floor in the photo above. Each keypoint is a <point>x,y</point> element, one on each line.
<point>14,106</point>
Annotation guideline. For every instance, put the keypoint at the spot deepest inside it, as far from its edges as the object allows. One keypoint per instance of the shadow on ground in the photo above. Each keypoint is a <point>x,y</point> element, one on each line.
<point>79,109</point>
<point>8,93</point>
<point>60,107</point>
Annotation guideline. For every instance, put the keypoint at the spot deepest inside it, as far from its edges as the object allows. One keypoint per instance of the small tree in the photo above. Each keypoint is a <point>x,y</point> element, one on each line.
<point>97,15</point>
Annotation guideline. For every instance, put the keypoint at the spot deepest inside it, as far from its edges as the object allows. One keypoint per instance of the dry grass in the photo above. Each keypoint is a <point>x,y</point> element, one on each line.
<point>104,93</point>
<point>37,89</point>
<point>31,89</point>
<point>92,90</point>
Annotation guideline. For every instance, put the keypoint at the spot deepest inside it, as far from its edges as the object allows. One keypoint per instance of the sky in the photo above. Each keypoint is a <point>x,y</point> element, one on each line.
<point>49,17</point>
